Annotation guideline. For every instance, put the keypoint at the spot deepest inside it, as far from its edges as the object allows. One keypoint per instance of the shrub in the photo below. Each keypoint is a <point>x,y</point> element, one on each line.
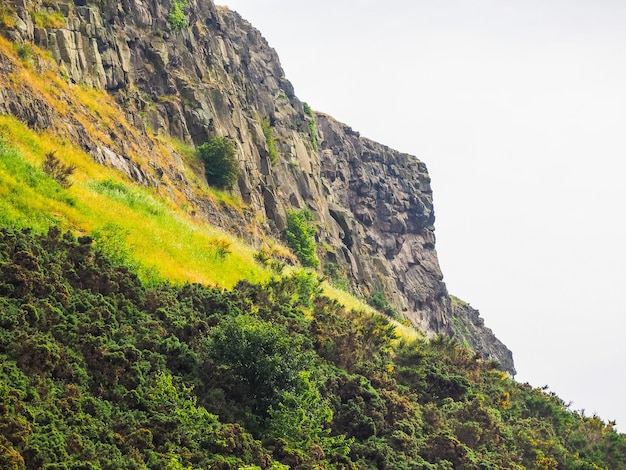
<point>177,17</point>
<point>24,51</point>
<point>336,277</point>
<point>255,360</point>
<point>380,303</point>
<point>220,248</point>
<point>268,132</point>
<point>268,258</point>
<point>220,161</point>
<point>300,235</point>
<point>58,170</point>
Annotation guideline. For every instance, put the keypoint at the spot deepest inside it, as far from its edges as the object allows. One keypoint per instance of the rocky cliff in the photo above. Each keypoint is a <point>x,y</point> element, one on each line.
<point>217,76</point>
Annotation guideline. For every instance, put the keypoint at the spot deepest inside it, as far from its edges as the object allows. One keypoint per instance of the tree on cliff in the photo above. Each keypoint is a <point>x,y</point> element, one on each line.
<point>220,162</point>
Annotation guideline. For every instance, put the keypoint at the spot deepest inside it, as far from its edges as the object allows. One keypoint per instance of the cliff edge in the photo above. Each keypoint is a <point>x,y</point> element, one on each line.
<point>217,76</point>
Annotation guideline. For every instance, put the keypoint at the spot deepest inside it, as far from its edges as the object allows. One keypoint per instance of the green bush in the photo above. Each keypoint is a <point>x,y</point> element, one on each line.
<point>220,162</point>
<point>177,17</point>
<point>380,303</point>
<point>99,371</point>
<point>300,235</point>
<point>336,277</point>
<point>255,359</point>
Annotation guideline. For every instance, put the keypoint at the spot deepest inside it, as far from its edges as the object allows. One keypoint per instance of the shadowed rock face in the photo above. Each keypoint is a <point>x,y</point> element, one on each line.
<point>383,206</point>
<point>373,205</point>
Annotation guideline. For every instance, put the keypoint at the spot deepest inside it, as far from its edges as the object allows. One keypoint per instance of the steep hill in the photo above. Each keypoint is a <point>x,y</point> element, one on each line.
<point>101,371</point>
<point>182,73</point>
<point>149,319</point>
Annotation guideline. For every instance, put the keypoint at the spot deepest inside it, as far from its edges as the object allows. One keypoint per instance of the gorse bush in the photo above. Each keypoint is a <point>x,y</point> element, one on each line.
<point>220,162</point>
<point>300,234</point>
<point>98,370</point>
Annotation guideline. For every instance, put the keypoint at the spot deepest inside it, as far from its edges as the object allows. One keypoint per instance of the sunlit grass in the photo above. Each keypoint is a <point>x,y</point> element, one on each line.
<point>160,237</point>
<point>352,302</point>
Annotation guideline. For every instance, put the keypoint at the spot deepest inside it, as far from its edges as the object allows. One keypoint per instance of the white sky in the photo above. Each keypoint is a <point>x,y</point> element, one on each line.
<point>518,108</point>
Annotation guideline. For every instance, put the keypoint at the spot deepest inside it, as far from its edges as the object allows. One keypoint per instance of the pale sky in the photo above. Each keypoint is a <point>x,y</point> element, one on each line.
<point>518,108</point>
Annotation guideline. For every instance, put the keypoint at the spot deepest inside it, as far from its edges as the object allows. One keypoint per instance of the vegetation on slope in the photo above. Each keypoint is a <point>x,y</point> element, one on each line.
<point>163,240</point>
<point>99,370</point>
<point>105,365</point>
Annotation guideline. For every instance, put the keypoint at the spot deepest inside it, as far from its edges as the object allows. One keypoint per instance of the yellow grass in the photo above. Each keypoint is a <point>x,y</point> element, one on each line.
<point>168,241</point>
<point>351,302</point>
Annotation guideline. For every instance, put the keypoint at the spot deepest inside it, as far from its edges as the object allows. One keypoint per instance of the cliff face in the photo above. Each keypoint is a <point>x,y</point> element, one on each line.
<point>218,76</point>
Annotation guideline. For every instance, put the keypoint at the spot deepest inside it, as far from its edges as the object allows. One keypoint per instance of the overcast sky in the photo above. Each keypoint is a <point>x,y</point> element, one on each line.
<point>518,108</point>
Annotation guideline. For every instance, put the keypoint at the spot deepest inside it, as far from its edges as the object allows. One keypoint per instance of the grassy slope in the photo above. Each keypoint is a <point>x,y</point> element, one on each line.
<point>138,223</point>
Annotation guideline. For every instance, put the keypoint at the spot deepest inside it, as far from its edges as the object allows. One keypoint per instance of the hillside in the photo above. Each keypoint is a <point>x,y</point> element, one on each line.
<point>126,87</point>
<point>281,309</point>
<point>101,371</point>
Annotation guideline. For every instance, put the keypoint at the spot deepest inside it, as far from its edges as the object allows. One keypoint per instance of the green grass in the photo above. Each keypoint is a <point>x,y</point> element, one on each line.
<point>351,302</point>
<point>161,239</point>
<point>28,196</point>
<point>133,198</point>
<point>43,19</point>
<point>159,236</point>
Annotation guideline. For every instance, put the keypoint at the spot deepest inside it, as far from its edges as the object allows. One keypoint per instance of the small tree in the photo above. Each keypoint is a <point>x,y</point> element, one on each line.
<point>300,235</point>
<point>176,16</point>
<point>57,169</point>
<point>220,161</point>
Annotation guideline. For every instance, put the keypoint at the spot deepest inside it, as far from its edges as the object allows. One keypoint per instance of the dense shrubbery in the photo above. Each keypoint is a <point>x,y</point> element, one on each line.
<point>220,161</point>
<point>99,371</point>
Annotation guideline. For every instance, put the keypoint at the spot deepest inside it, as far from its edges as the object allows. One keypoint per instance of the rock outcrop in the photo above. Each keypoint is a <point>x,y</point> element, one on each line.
<point>372,205</point>
<point>466,325</point>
